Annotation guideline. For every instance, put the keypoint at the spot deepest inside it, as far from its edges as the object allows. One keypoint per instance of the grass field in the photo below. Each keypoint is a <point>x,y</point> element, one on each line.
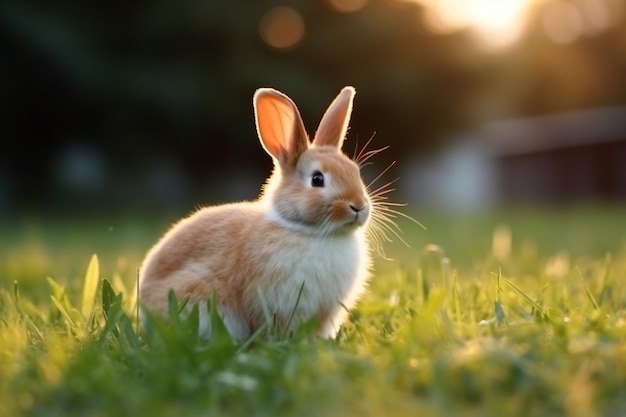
<point>520,312</point>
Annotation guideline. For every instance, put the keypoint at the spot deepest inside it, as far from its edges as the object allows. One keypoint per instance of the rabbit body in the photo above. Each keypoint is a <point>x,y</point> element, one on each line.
<point>307,232</point>
<point>234,249</point>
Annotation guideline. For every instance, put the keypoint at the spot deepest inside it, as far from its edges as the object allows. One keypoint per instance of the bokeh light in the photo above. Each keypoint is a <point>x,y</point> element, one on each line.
<point>566,22</point>
<point>347,6</point>
<point>562,22</point>
<point>282,27</point>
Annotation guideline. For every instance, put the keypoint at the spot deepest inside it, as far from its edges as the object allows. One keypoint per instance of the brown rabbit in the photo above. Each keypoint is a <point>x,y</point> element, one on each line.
<point>307,230</point>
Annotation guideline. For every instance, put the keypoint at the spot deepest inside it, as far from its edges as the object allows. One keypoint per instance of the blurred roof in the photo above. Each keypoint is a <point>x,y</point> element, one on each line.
<point>561,131</point>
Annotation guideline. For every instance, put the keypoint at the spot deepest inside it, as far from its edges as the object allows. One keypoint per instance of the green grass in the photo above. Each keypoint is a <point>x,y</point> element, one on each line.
<point>453,326</point>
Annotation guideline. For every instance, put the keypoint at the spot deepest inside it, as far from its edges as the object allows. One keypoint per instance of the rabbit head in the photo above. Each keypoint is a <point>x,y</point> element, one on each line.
<point>315,188</point>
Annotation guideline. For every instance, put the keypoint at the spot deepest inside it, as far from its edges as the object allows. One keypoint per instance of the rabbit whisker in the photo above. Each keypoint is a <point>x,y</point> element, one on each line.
<point>369,154</point>
<point>383,189</point>
<point>358,157</point>
<point>384,171</point>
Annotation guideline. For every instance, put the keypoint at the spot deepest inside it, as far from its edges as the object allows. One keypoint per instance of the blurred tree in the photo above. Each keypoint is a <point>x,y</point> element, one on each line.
<point>141,81</point>
<point>157,94</point>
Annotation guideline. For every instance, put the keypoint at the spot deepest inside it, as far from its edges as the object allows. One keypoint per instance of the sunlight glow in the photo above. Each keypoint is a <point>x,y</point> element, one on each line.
<point>498,24</point>
<point>495,23</point>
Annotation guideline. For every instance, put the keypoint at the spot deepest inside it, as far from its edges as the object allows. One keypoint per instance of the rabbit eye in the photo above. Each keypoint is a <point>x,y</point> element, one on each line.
<point>317,179</point>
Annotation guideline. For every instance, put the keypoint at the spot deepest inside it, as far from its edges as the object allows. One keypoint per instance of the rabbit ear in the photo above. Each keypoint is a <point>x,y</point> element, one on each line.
<point>334,125</point>
<point>279,126</point>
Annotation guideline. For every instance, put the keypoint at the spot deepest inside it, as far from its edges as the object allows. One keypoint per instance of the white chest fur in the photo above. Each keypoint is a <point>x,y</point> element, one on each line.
<point>331,272</point>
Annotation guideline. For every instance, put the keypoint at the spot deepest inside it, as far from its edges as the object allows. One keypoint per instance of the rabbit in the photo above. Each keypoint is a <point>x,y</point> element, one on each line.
<point>301,250</point>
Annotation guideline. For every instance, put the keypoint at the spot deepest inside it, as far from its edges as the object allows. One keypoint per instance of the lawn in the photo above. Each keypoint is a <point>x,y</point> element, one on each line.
<point>519,312</point>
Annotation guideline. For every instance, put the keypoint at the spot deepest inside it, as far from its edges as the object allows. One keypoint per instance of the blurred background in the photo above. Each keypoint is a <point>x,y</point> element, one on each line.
<point>146,106</point>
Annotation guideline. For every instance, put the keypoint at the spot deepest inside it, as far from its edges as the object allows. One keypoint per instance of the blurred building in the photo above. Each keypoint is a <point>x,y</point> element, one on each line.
<point>575,157</point>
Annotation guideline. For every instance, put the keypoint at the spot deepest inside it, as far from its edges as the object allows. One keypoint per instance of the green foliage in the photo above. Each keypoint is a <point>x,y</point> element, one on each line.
<point>539,335</point>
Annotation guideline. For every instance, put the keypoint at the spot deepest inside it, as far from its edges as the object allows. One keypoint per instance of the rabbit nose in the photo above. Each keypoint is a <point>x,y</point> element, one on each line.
<point>357,209</point>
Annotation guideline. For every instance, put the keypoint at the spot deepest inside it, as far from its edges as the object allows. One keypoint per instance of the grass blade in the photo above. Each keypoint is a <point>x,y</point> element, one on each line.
<point>174,307</point>
<point>57,289</point>
<point>265,308</point>
<point>522,294</point>
<point>219,332</point>
<point>293,311</point>
<point>16,297</point>
<point>63,312</point>
<point>456,299</point>
<point>590,296</point>
<point>108,296</point>
<point>90,287</point>
<point>606,283</point>
<point>499,314</point>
